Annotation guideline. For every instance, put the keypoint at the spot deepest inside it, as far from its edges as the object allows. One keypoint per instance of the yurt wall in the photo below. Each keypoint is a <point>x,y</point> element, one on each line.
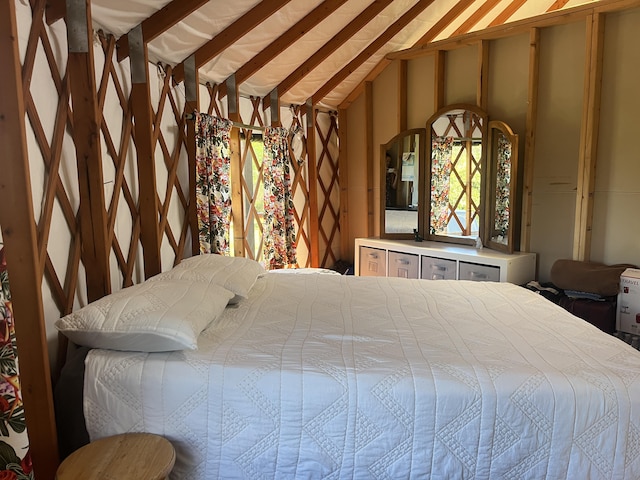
<point>575,132</point>
<point>104,200</point>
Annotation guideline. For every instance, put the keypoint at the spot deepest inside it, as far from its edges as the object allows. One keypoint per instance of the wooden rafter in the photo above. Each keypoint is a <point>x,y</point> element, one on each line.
<point>230,34</point>
<point>371,49</point>
<point>503,16</point>
<point>284,41</point>
<point>332,45</point>
<point>475,17</point>
<point>557,5</point>
<point>444,21</point>
<point>161,21</point>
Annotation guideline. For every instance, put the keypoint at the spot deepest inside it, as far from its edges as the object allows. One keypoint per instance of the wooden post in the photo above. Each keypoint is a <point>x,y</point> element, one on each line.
<point>483,75</point>
<point>25,271</point>
<point>312,168</point>
<point>530,138</point>
<point>86,137</point>
<point>343,182</point>
<point>439,73</point>
<point>589,138</point>
<point>147,194</point>
<point>402,95</point>
<point>237,209</point>
<point>191,105</point>
<point>368,99</point>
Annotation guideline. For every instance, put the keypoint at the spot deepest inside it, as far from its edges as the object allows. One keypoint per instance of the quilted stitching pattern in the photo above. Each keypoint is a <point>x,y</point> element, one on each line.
<point>323,376</point>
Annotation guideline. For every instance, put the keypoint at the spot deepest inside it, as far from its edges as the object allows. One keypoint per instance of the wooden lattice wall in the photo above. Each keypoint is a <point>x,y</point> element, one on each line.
<point>78,221</point>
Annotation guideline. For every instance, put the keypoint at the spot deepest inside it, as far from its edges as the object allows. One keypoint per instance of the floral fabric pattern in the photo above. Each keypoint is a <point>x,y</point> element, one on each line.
<point>279,223</point>
<point>213,194</point>
<point>440,175</point>
<point>15,459</point>
<point>503,182</point>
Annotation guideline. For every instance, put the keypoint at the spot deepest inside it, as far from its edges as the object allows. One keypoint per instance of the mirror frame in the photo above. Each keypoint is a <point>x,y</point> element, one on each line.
<point>495,128</point>
<point>427,190</point>
<point>422,138</point>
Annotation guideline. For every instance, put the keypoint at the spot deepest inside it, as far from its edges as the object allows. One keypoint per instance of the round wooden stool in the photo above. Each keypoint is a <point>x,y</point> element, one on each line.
<point>139,456</point>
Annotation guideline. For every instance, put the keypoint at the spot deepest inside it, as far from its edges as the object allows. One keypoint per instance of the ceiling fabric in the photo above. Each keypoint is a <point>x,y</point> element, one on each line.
<point>180,41</point>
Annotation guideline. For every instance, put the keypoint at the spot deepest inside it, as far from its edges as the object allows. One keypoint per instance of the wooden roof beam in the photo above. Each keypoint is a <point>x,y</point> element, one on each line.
<point>558,17</point>
<point>557,5</point>
<point>284,41</point>
<point>231,34</point>
<point>55,10</point>
<point>444,21</point>
<point>159,22</point>
<point>512,8</point>
<point>332,45</point>
<point>372,48</point>
<point>478,15</point>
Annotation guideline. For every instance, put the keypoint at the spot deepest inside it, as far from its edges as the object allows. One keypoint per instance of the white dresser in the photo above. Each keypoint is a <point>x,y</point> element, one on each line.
<point>438,261</point>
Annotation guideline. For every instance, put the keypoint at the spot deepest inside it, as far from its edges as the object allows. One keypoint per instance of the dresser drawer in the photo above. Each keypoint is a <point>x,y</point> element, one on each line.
<point>373,262</point>
<point>434,268</point>
<point>403,265</point>
<point>479,273</point>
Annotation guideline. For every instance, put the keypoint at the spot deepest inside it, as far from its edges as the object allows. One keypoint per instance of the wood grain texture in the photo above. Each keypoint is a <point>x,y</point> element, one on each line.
<point>130,456</point>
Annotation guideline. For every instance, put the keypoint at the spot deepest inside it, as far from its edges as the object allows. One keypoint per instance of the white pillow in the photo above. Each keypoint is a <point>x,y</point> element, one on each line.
<point>237,274</point>
<point>149,317</point>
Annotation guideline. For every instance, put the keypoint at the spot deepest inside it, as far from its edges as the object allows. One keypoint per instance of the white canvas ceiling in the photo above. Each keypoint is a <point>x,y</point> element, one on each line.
<point>211,19</point>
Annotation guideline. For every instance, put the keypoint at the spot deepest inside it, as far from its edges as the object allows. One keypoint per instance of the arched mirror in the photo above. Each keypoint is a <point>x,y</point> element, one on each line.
<point>455,170</point>
<point>502,213</point>
<point>401,175</point>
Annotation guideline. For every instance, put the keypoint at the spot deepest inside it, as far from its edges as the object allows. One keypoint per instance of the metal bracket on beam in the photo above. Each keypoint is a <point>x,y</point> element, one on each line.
<point>191,79</point>
<point>232,95</point>
<point>309,112</point>
<point>138,55</point>
<point>77,33</point>
<point>274,105</point>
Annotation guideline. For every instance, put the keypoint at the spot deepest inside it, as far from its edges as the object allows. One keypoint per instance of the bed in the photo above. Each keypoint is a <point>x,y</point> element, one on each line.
<point>332,376</point>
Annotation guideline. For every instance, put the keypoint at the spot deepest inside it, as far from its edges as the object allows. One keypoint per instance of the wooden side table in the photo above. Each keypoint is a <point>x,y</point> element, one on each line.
<point>139,456</point>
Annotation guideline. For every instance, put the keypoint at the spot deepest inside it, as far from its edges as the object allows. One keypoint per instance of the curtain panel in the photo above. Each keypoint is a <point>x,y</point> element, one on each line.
<point>213,191</point>
<point>279,221</point>
<point>440,183</point>
<point>15,460</point>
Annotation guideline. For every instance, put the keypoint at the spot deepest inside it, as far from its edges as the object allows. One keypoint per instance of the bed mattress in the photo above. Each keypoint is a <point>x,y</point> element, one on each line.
<point>329,376</point>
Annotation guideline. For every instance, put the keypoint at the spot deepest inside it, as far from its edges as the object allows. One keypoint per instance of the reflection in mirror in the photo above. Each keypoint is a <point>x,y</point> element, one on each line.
<point>503,156</point>
<point>401,174</point>
<point>455,173</point>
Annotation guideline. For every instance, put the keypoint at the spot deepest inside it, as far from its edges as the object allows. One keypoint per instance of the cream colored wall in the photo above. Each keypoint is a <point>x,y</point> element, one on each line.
<point>560,97</point>
<point>386,125</point>
<point>420,91</point>
<point>461,72</point>
<point>562,50</point>
<point>616,225</point>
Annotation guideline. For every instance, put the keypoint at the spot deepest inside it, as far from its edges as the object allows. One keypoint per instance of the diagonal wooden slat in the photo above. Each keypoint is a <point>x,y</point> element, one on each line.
<point>231,34</point>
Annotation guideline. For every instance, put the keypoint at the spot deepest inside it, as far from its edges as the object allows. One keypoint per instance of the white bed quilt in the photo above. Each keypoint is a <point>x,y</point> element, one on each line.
<point>336,377</point>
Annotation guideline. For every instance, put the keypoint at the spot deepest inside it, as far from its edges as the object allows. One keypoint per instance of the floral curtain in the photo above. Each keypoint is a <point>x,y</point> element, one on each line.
<point>503,185</point>
<point>279,223</point>
<point>213,194</point>
<point>440,173</point>
<point>15,460</point>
